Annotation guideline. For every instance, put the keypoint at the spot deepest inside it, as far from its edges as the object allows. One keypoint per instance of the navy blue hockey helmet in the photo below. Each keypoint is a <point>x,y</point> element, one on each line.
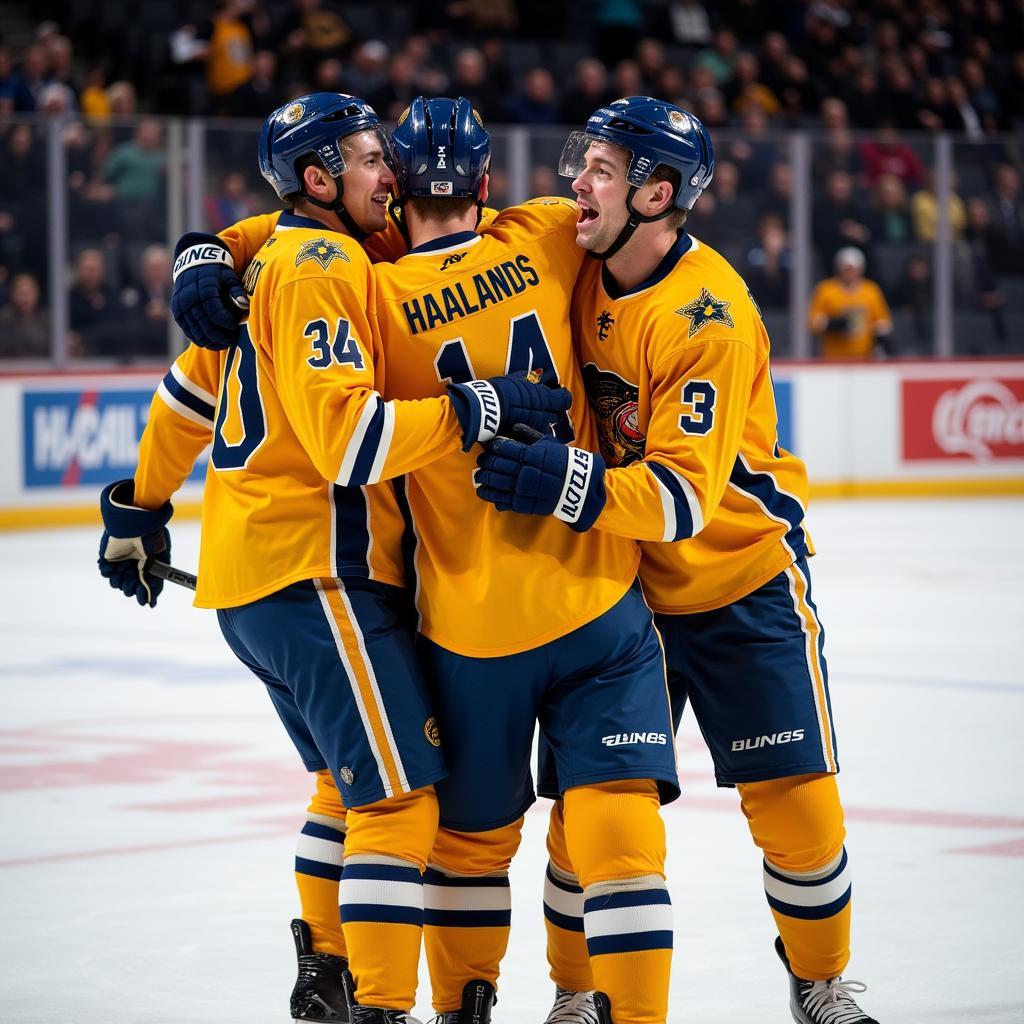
<point>654,133</point>
<point>441,149</point>
<point>315,123</point>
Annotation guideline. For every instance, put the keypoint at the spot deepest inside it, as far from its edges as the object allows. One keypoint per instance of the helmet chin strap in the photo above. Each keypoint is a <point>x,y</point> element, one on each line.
<point>337,206</point>
<point>635,219</point>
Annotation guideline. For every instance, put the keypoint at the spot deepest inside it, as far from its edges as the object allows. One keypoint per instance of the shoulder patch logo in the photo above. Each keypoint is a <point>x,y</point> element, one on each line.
<point>431,731</point>
<point>323,250</point>
<point>615,402</point>
<point>704,310</point>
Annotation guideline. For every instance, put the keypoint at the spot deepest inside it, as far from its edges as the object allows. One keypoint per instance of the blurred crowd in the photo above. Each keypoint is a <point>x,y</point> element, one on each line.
<point>870,79</point>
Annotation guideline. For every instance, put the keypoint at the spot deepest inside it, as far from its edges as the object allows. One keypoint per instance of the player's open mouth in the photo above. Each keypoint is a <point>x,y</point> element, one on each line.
<point>382,200</point>
<point>586,216</point>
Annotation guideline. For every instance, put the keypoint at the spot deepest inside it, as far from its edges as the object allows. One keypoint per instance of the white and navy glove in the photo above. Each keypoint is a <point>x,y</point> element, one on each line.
<point>539,476</point>
<point>131,538</point>
<point>208,302</point>
<point>486,408</point>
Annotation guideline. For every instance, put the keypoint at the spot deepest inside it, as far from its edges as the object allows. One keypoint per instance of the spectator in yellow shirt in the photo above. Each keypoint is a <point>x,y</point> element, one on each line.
<point>849,311</point>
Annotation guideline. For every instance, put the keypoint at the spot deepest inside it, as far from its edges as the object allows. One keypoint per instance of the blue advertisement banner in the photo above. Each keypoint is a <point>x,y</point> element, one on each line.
<point>784,408</point>
<point>84,438</point>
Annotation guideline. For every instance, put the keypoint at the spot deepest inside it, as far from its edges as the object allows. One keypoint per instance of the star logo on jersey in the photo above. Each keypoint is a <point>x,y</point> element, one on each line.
<point>704,310</point>
<point>604,325</point>
<point>323,250</point>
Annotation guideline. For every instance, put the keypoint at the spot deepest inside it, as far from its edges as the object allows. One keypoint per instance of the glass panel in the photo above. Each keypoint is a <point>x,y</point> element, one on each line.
<point>24,242</point>
<point>988,257</point>
<point>118,256</point>
<point>872,194</point>
<point>233,186</point>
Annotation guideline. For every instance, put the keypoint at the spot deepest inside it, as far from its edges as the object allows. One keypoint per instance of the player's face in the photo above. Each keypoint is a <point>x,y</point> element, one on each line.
<point>368,181</point>
<point>601,191</point>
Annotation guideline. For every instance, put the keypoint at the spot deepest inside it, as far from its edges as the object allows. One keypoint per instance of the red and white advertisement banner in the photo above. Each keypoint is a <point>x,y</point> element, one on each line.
<point>979,419</point>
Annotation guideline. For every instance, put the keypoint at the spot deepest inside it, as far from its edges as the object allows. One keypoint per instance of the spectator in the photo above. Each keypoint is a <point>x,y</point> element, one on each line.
<point>543,181</point>
<point>93,318</point>
<point>1007,222</point>
<point>627,80</point>
<point>398,91</point>
<point>147,305</point>
<point>848,311</point>
<point>887,154</point>
<point>924,209</point>
<point>688,23</point>
<point>26,84</point>
<point>964,117</point>
<point>232,203</point>
<point>913,296</point>
<point>755,152</point>
<point>650,58</point>
<point>470,79</point>
<point>94,100</point>
<point>588,92</point>
<point>735,212</point>
<point>535,103</point>
<point>136,168</point>
<point>839,219</point>
<point>368,69</point>
<point>311,31</point>
<point>864,100</point>
<point>890,221</point>
<point>975,265</point>
<point>837,152</point>
<point>261,93</point>
<point>229,53</point>
<point>768,264</point>
<point>719,59</point>
<point>779,195</point>
<point>746,92</point>
<point>122,99</point>
<point>24,327</point>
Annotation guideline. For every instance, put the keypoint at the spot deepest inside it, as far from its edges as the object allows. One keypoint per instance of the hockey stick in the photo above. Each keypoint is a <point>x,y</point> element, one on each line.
<point>169,573</point>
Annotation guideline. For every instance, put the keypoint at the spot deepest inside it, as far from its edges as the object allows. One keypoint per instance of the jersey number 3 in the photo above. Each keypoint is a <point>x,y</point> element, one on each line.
<point>700,396</point>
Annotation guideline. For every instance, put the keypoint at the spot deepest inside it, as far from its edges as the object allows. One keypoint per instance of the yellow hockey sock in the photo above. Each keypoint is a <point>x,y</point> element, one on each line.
<point>563,912</point>
<point>616,841</point>
<point>798,824</point>
<point>386,852</point>
<point>468,909</point>
<point>319,853</point>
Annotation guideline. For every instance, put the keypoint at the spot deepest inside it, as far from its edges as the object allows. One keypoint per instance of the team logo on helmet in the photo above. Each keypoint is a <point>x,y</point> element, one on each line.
<point>616,403</point>
<point>401,117</point>
<point>431,731</point>
<point>293,113</point>
<point>677,119</point>
<point>323,250</point>
<point>704,310</point>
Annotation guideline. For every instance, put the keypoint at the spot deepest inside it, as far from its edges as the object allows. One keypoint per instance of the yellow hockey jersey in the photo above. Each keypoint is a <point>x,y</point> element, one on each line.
<point>676,370</point>
<point>298,426</point>
<point>475,305</point>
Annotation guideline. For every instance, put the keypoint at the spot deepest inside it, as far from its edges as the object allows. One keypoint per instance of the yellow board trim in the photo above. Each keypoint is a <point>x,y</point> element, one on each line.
<point>89,515</point>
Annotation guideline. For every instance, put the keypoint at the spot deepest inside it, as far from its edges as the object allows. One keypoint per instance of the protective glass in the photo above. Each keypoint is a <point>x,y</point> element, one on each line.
<point>573,160</point>
<point>351,147</point>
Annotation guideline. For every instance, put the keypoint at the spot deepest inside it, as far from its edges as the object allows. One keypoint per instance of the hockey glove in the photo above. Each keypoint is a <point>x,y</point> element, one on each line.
<point>208,302</point>
<point>538,476</point>
<point>485,408</point>
<point>132,536</point>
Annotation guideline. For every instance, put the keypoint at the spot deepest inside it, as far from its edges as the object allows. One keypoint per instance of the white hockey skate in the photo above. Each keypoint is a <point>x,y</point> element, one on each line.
<point>572,1008</point>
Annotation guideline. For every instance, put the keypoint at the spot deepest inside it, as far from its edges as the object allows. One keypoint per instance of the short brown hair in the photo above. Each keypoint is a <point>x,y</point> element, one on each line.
<point>439,207</point>
<point>677,218</point>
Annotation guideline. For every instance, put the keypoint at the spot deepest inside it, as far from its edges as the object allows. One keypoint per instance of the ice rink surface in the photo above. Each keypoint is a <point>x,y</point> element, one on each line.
<point>149,799</point>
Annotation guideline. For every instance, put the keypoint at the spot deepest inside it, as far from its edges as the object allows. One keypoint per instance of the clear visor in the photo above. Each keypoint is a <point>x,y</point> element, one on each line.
<point>362,146</point>
<point>573,161</point>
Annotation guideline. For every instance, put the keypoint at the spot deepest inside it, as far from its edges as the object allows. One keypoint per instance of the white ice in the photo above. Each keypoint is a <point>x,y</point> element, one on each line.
<point>149,799</point>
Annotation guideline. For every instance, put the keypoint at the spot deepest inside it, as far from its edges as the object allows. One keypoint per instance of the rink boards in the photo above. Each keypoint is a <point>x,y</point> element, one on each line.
<point>939,427</point>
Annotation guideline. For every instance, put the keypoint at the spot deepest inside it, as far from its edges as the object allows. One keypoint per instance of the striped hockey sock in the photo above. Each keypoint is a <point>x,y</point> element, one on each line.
<point>563,920</point>
<point>812,912</point>
<point>467,919</point>
<point>382,912</point>
<point>319,853</point>
<point>628,925</point>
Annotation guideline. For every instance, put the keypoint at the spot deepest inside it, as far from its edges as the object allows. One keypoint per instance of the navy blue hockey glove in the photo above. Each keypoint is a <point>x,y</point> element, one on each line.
<point>486,408</point>
<point>132,535</point>
<point>208,302</point>
<point>538,476</point>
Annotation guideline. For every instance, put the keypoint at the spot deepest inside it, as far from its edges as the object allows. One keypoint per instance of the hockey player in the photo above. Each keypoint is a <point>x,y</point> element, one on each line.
<point>675,358</point>
<point>304,564</point>
<point>521,623</point>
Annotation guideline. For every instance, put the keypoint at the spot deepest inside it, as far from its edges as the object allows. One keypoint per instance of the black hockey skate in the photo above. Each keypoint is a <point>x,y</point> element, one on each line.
<point>380,1015</point>
<point>823,1002</point>
<point>603,1008</point>
<point>572,1008</point>
<point>477,999</point>
<point>319,993</point>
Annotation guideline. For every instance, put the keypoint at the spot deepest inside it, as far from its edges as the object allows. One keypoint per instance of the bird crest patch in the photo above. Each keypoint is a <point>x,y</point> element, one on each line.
<point>704,310</point>
<point>324,250</point>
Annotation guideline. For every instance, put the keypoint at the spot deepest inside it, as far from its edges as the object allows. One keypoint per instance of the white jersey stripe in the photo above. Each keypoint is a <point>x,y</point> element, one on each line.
<point>191,386</point>
<point>348,461</point>
<point>384,445</point>
<point>182,410</point>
